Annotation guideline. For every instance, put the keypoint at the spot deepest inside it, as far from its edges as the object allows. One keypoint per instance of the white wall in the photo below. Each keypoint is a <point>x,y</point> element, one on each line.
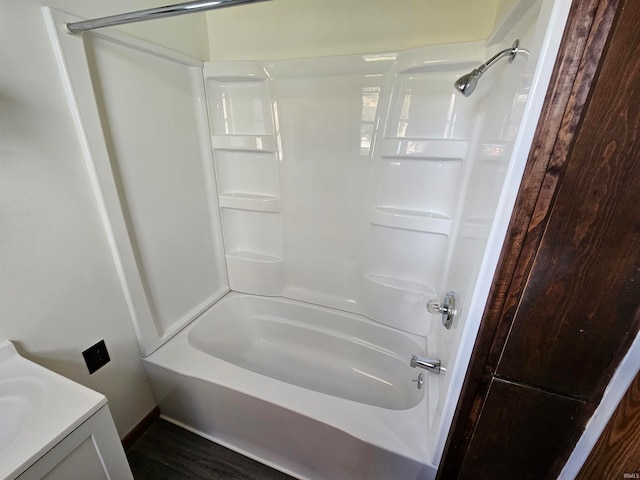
<point>185,33</point>
<point>59,292</point>
<point>285,29</point>
<point>505,6</point>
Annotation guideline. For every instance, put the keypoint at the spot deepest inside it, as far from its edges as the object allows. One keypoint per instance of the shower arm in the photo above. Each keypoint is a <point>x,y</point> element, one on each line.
<point>467,83</point>
<point>153,14</point>
<point>510,52</point>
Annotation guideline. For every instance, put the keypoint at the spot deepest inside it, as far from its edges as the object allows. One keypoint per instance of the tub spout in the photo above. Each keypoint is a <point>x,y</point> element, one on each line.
<point>432,364</point>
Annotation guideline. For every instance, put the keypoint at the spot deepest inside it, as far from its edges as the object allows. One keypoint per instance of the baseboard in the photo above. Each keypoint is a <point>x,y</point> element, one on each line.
<point>142,426</point>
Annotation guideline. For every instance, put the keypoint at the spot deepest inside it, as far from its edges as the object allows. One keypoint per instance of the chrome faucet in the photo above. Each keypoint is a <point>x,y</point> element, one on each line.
<point>432,364</point>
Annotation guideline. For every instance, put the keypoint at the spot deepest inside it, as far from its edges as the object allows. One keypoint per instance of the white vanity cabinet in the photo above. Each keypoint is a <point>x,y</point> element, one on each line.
<point>91,451</point>
<point>53,428</point>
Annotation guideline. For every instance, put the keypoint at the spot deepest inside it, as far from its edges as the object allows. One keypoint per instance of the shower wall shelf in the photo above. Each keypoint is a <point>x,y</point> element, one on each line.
<point>253,244</point>
<point>423,148</point>
<point>254,257</point>
<point>411,220</point>
<point>399,284</point>
<point>248,201</point>
<point>252,272</point>
<point>261,143</point>
<point>406,255</point>
<point>252,173</point>
<point>416,193</point>
<point>239,105</point>
<point>393,298</point>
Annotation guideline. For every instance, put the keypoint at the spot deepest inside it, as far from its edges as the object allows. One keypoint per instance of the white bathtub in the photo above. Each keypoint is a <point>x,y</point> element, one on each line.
<point>314,392</point>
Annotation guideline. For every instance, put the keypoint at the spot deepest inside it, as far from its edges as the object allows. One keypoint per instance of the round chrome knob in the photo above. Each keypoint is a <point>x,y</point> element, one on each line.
<point>433,306</point>
<point>447,308</point>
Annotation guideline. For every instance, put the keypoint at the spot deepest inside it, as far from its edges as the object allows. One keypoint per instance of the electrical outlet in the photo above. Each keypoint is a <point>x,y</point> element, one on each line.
<point>96,356</point>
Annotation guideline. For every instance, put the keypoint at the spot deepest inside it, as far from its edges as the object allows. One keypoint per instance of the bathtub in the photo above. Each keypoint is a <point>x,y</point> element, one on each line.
<point>314,392</point>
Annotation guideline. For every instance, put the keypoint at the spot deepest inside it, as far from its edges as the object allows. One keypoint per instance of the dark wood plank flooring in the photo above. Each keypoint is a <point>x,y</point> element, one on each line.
<point>168,452</point>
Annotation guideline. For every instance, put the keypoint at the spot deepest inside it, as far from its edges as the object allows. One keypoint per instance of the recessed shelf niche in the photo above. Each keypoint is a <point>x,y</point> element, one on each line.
<point>252,174</point>
<point>238,98</point>
<point>426,106</point>
<point>421,185</point>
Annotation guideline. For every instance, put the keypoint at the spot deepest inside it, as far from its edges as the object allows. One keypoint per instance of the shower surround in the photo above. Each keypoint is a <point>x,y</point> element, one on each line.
<point>337,195</point>
<point>339,178</point>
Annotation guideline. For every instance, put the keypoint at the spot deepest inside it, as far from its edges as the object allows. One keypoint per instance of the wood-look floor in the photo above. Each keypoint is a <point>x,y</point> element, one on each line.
<point>168,452</point>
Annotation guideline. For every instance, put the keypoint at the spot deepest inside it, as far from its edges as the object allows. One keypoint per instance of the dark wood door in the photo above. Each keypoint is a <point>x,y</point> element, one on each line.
<point>565,305</point>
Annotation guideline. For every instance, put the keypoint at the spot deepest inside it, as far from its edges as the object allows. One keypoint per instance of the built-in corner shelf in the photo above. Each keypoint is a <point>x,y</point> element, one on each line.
<point>248,201</point>
<point>429,222</point>
<point>399,284</point>
<point>397,302</point>
<point>256,273</point>
<point>260,143</point>
<point>441,149</point>
<point>253,257</point>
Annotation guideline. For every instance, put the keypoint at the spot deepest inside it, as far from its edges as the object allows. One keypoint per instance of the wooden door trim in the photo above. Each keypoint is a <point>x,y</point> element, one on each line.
<point>580,55</point>
<point>618,449</point>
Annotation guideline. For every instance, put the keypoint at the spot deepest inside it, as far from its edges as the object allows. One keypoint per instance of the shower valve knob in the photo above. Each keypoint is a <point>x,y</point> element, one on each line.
<point>433,306</point>
<point>447,308</point>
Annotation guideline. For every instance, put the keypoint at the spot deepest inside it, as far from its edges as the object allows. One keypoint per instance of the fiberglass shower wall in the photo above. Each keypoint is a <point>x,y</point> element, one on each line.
<point>339,178</point>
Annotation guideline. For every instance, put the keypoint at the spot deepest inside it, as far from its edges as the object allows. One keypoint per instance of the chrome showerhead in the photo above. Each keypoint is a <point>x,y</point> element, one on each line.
<point>466,84</point>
